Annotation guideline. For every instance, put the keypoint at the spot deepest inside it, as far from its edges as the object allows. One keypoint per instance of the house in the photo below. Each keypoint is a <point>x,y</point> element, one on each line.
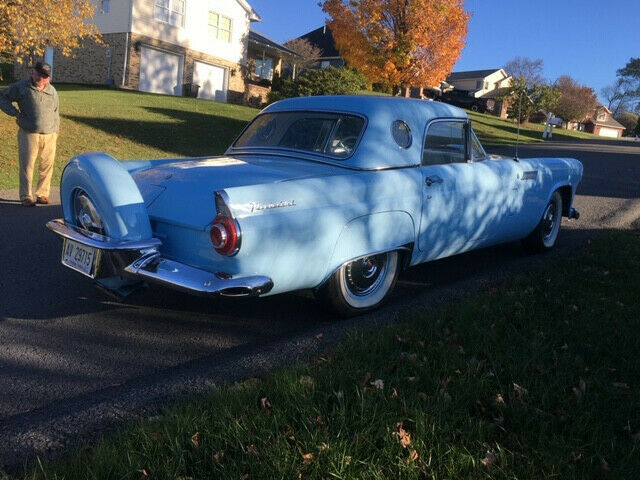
<point>602,123</point>
<point>265,58</point>
<point>322,38</point>
<point>166,46</point>
<point>491,84</point>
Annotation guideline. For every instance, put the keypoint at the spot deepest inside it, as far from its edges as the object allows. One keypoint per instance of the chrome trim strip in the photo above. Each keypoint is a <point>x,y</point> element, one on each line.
<point>95,240</point>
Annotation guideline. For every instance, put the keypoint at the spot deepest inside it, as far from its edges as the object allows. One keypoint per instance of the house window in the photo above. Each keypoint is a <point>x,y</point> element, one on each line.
<point>170,11</point>
<point>105,6</point>
<point>220,27</point>
<point>264,68</point>
<point>478,84</point>
<point>602,116</point>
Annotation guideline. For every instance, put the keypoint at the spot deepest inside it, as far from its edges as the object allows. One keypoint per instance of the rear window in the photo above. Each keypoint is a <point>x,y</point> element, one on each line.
<point>333,134</point>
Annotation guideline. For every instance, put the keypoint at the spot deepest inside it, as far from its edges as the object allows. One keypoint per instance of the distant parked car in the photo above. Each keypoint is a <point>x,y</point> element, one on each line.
<point>464,99</point>
<point>332,194</point>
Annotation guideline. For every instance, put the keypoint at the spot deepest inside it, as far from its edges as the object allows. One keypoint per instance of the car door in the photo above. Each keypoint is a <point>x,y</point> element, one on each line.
<point>465,199</point>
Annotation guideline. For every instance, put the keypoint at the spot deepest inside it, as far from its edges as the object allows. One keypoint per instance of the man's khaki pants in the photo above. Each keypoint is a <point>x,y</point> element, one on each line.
<point>30,145</point>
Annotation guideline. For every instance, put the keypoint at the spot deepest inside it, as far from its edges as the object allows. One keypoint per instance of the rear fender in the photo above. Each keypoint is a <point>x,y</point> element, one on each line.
<point>369,234</point>
<point>113,191</point>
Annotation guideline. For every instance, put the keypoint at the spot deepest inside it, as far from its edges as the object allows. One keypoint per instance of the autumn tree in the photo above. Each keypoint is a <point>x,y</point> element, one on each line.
<point>576,101</point>
<point>28,27</point>
<point>402,43</point>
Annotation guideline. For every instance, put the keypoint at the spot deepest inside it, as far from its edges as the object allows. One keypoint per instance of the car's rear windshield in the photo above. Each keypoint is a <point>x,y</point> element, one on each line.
<point>333,134</point>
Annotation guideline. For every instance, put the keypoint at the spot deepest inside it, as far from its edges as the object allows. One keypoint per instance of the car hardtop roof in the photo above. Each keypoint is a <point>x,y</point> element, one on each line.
<point>371,106</point>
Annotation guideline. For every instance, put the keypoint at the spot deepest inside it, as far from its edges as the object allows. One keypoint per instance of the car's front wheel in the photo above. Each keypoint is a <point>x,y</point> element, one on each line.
<point>544,237</point>
<point>362,284</point>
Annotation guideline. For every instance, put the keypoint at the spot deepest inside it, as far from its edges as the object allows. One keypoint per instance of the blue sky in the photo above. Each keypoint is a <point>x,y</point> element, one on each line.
<point>587,39</point>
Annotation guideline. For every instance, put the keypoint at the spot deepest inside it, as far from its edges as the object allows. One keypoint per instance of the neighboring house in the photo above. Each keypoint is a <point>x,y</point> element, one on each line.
<point>165,46</point>
<point>265,59</point>
<point>323,39</point>
<point>601,123</point>
<point>490,84</point>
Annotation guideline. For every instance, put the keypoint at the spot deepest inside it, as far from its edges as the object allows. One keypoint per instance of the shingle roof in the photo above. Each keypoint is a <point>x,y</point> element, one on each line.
<point>453,76</point>
<point>323,39</point>
<point>262,40</point>
<point>612,123</point>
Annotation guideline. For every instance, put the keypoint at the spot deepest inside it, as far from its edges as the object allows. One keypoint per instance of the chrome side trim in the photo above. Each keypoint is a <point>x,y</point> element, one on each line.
<point>95,240</point>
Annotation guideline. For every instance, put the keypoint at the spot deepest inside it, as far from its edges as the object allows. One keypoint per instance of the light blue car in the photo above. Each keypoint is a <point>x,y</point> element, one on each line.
<point>334,194</point>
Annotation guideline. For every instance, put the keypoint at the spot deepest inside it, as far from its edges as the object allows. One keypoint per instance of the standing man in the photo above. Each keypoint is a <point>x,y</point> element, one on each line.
<point>39,121</point>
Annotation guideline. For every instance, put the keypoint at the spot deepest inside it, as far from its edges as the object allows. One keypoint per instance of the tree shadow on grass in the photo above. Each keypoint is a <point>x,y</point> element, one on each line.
<point>189,134</point>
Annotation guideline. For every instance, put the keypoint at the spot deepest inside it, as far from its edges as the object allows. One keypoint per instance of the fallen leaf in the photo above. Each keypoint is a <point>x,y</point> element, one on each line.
<point>582,385</point>
<point>339,395</point>
<point>244,477</point>
<point>489,459</point>
<point>394,393</point>
<point>564,347</point>
<point>401,339</point>
<point>194,439</point>
<point>306,382</point>
<point>413,456</point>
<point>621,385</point>
<point>291,435</point>
<point>423,396</point>
<point>378,384</point>
<point>412,379</point>
<point>498,401</point>
<point>218,456</point>
<point>319,420</point>
<point>323,447</point>
<point>144,473</point>
<point>521,392</point>
<point>265,404</point>
<point>319,336</point>
<point>155,436</point>
<point>308,458</point>
<point>402,435</point>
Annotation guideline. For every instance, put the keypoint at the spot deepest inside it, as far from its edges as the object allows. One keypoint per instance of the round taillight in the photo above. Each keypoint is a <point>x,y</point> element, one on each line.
<point>224,235</point>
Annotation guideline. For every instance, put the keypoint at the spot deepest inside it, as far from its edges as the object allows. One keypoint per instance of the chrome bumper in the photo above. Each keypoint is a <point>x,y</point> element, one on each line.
<point>149,265</point>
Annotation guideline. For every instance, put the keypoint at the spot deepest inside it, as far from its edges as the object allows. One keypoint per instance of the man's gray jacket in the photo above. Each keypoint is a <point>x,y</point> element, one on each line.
<point>38,111</point>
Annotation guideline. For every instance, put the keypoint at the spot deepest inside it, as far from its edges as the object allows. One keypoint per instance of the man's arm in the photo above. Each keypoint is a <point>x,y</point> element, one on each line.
<point>7,97</point>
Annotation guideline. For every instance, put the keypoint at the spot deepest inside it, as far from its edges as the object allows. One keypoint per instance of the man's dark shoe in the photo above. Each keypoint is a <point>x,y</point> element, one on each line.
<point>27,202</point>
<point>42,200</point>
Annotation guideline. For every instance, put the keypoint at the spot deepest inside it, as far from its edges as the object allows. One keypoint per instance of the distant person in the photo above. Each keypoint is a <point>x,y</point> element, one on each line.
<point>38,117</point>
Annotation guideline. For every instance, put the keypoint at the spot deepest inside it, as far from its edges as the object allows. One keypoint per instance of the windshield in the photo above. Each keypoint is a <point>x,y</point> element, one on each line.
<point>334,134</point>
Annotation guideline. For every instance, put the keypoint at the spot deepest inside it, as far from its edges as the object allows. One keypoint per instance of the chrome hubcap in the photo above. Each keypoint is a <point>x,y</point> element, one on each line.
<point>86,214</point>
<point>364,276</point>
<point>549,219</point>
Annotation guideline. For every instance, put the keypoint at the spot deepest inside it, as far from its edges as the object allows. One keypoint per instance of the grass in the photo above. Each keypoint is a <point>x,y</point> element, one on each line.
<point>134,125</point>
<point>492,130</point>
<point>130,125</point>
<point>538,379</point>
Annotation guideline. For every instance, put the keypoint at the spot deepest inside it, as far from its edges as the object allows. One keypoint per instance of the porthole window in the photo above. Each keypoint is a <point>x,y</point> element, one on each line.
<point>401,133</point>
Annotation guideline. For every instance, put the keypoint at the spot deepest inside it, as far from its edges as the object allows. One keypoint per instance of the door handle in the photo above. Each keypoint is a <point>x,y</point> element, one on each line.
<point>431,180</point>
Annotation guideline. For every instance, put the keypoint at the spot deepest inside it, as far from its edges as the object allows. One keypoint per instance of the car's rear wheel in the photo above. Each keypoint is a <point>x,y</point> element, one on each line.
<point>362,284</point>
<point>544,236</point>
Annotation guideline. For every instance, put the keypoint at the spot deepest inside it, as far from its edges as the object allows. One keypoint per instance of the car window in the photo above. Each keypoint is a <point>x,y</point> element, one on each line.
<point>333,134</point>
<point>477,152</point>
<point>445,143</point>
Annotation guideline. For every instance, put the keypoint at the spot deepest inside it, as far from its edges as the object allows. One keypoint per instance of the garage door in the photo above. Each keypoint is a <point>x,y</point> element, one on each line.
<point>211,80</point>
<point>609,132</point>
<point>160,72</point>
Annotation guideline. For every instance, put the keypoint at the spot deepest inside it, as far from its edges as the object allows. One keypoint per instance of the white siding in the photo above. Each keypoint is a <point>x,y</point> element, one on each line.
<point>195,33</point>
<point>117,20</point>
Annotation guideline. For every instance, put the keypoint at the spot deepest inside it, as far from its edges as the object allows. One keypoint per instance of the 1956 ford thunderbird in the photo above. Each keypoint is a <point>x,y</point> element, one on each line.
<point>335,194</point>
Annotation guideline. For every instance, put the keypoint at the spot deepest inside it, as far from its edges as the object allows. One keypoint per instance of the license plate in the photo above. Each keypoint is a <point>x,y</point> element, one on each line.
<point>80,257</point>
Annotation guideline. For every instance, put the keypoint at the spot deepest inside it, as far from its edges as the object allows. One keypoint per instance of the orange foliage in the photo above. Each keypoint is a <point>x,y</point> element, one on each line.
<point>399,42</point>
<point>28,27</point>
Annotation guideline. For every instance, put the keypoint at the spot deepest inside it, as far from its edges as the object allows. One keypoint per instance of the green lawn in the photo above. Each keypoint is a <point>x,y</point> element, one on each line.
<point>538,379</point>
<point>134,125</point>
<point>130,125</point>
